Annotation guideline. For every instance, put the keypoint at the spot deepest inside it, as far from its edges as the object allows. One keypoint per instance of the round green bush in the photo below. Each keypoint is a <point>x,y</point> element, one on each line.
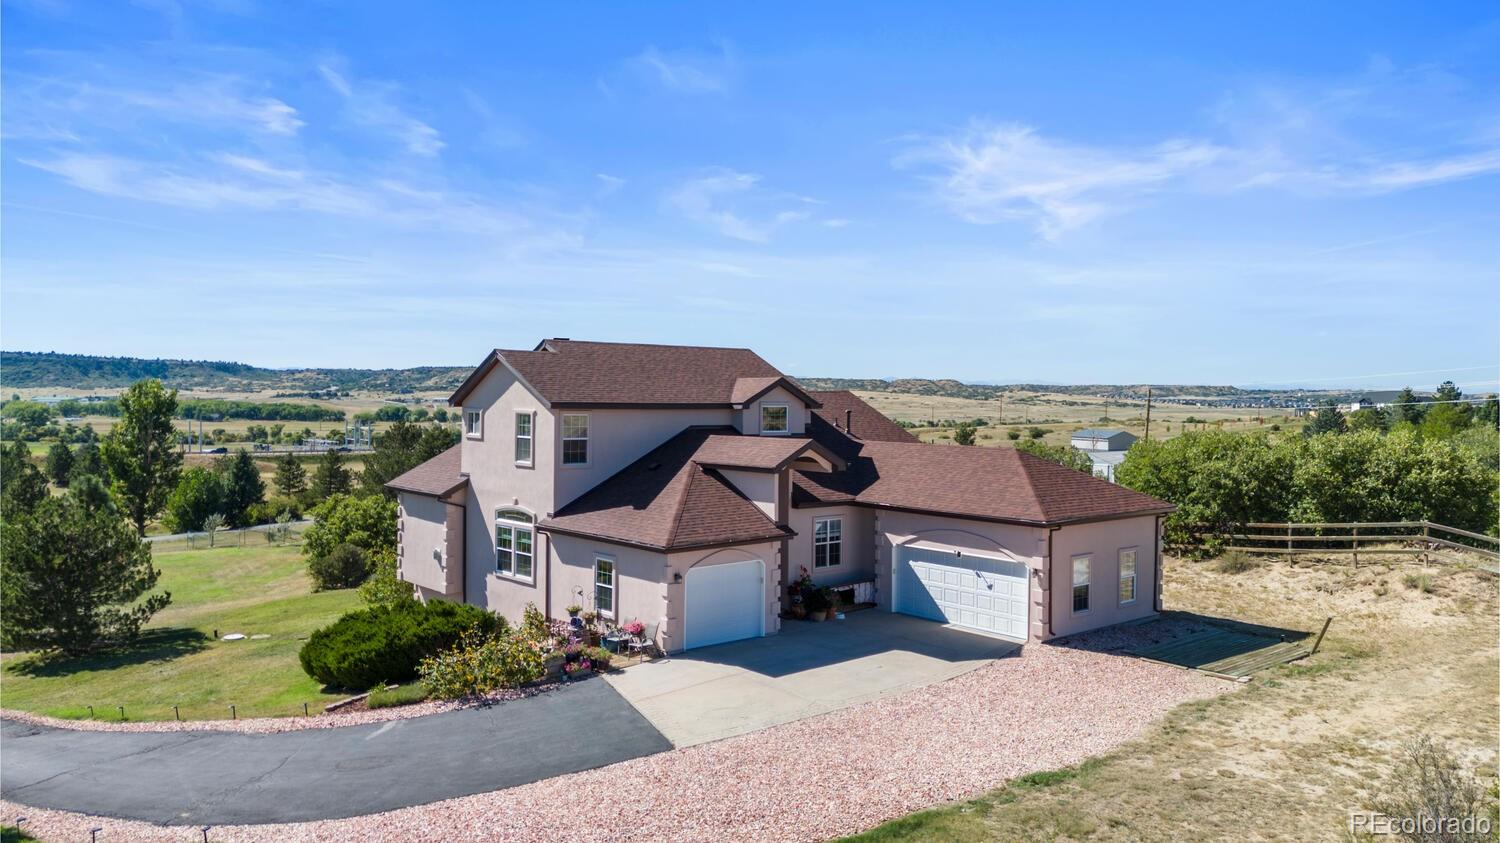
<point>345,567</point>
<point>386,643</point>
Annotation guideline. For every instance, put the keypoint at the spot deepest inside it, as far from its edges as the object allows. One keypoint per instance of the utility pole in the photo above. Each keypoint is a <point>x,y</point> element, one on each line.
<point>1148,414</point>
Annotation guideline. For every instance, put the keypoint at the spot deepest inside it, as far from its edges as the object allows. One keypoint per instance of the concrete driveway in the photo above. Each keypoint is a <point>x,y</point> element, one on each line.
<point>806,669</point>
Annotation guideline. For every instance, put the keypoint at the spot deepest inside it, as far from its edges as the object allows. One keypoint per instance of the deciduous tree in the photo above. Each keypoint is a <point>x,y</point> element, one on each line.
<point>59,464</point>
<point>143,462</point>
<point>401,448</point>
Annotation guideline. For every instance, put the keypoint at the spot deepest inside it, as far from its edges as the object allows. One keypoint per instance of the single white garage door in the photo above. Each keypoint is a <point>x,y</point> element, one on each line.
<point>724,603</point>
<point>974,592</point>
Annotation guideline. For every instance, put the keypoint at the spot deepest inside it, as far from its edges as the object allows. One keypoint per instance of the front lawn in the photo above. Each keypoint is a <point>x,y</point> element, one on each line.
<point>251,590</point>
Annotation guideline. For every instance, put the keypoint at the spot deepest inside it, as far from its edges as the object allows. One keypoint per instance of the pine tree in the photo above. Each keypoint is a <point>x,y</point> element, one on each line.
<point>330,478</point>
<point>22,485</point>
<point>243,488</point>
<point>1328,419</point>
<point>1406,407</point>
<point>291,477</point>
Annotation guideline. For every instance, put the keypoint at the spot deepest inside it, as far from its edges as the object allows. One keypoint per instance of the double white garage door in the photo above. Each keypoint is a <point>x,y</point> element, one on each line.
<point>974,592</point>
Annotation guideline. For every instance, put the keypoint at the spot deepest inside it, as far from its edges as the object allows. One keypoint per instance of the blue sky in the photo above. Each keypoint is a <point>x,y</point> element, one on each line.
<point>1077,193</point>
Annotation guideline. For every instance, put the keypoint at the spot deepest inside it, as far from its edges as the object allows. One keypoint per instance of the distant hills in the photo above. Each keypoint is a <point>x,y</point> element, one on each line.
<point>25,369</point>
<point>21,369</point>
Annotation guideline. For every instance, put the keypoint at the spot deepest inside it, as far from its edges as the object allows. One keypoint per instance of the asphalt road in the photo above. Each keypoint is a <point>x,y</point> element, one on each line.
<point>226,778</point>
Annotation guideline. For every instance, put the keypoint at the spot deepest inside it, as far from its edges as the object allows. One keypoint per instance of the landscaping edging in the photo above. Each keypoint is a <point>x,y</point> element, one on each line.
<point>271,725</point>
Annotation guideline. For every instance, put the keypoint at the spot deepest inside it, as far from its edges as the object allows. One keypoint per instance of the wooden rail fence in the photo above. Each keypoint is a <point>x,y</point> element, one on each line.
<point>1375,538</point>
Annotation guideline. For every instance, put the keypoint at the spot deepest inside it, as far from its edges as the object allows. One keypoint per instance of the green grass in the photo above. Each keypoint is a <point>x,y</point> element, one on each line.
<point>252,590</point>
<point>11,834</point>
<point>412,692</point>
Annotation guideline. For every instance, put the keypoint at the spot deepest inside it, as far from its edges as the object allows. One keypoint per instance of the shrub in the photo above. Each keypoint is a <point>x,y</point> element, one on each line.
<point>381,697</point>
<point>483,663</point>
<point>1420,582</point>
<point>267,511</point>
<point>384,644</point>
<point>599,656</point>
<point>369,522</point>
<point>382,588</point>
<point>1429,784</point>
<point>1236,562</point>
<point>345,567</point>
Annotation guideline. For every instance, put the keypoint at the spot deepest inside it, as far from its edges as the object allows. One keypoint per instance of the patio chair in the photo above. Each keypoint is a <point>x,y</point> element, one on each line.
<point>645,643</point>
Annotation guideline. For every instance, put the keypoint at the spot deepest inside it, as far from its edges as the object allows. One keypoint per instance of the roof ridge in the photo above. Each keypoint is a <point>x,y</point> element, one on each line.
<point>1032,461</point>
<point>650,344</point>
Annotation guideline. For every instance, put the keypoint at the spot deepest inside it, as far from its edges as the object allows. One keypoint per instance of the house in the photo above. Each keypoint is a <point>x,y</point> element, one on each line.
<point>1363,402</point>
<point>687,487</point>
<point>1105,448</point>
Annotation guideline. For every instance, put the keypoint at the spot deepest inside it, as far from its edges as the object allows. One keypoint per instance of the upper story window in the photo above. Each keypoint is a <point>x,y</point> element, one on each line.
<point>523,438</point>
<point>1081,566</point>
<point>1127,575</point>
<point>575,439</point>
<point>828,542</point>
<point>515,540</point>
<point>774,419</point>
<point>473,424</point>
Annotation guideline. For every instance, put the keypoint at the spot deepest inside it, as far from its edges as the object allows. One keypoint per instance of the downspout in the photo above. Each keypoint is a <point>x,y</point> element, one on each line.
<point>547,570</point>
<point>1047,592</point>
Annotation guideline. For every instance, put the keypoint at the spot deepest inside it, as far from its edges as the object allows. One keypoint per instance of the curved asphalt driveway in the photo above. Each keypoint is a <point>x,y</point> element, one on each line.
<point>229,778</point>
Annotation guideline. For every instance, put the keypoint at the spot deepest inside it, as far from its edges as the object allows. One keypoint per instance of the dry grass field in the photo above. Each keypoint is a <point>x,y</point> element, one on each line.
<point>1059,415</point>
<point>1289,755</point>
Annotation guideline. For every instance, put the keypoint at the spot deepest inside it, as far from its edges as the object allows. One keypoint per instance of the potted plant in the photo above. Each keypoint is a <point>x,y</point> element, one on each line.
<point>831,598</point>
<point>576,669</point>
<point>590,625</point>
<point>817,605</point>
<point>573,611</point>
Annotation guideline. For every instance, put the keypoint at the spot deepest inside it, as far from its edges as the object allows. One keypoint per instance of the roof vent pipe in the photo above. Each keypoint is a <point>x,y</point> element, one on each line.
<point>849,422</point>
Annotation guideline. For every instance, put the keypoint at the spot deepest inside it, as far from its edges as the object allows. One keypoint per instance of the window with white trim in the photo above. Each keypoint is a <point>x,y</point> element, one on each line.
<point>515,539</point>
<point>1127,575</point>
<point>474,423</point>
<point>575,439</point>
<point>774,419</point>
<point>523,438</point>
<point>604,586</point>
<point>1081,566</point>
<point>828,542</point>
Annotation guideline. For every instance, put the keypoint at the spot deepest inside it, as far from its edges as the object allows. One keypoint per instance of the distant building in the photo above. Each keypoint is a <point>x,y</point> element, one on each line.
<point>1106,448</point>
<point>1360,403</point>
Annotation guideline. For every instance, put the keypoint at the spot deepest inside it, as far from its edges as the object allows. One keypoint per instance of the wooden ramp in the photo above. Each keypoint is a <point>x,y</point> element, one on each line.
<point>1226,652</point>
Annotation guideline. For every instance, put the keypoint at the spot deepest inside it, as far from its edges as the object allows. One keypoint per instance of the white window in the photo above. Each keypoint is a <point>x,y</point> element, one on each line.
<point>514,540</point>
<point>828,542</point>
<point>575,439</point>
<point>604,586</point>
<point>1081,565</point>
<point>1127,575</point>
<point>773,419</point>
<point>473,423</point>
<point>523,438</point>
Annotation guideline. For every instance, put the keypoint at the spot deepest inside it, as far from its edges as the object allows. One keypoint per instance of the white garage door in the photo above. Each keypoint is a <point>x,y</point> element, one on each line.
<point>724,603</point>
<point>974,592</point>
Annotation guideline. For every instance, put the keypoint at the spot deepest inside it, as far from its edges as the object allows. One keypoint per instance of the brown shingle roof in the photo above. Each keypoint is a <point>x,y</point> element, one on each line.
<point>867,422</point>
<point>757,453</point>
<point>667,500</point>
<point>999,484</point>
<point>437,477</point>
<point>569,372</point>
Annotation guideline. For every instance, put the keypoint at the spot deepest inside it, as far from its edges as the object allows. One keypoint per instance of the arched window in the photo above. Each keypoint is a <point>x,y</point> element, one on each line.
<point>514,543</point>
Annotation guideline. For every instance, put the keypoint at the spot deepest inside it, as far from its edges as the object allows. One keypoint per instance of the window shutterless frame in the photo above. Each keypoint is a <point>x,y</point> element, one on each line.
<point>775,419</point>
<point>1127,575</point>
<point>604,586</point>
<point>525,425</point>
<point>474,424</point>
<point>575,439</point>
<point>515,544</point>
<point>1082,566</point>
<point>828,542</point>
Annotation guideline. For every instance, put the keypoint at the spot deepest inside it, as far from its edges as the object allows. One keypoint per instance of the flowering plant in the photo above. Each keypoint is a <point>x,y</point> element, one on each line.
<point>577,667</point>
<point>634,628</point>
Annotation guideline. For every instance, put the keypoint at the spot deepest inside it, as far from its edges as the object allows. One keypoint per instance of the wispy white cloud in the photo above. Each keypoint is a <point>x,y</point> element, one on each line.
<point>687,71</point>
<point>373,105</point>
<point>989,174</point>
<point>733,204</point>
<point>1313,140</point>
<point>55,107</point>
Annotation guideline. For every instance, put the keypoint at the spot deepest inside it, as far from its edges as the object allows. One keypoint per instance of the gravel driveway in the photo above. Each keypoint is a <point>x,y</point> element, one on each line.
<point>838,773</point>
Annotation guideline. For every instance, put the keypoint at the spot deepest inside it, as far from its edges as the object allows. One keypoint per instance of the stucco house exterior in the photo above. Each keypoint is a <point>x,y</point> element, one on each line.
<point>687,487</point>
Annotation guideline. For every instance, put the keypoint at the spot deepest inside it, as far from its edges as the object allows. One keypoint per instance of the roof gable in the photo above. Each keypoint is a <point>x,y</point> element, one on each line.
<point>437,477</point>
<point>597,374</point>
